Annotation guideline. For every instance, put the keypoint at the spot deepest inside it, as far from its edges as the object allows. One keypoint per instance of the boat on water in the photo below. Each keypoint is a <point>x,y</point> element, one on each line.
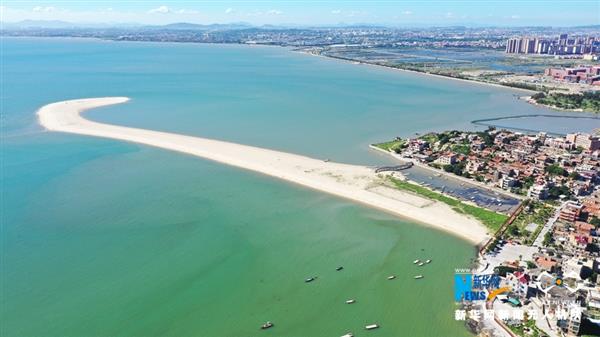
<point>428,261</point>
<point>349,334</point>
<point>350,301</point>
<point>339,268</point>
<point>418,277</point>
<point>267,325</point>
<point>416,261</point>
<point>371,326</point>
<point>391,277</point>
<point>420,264</point>
<point>310,279</point>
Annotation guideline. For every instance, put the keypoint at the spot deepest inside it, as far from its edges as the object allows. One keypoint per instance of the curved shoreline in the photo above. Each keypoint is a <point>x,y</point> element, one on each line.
<point>354,182</point>
<point>383,66</point>
<point>489,121</point>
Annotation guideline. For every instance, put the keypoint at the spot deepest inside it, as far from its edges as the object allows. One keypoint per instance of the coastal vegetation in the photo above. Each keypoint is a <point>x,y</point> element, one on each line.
<point>490,219</point>
<point>588,101</point>
<point>395,145</point>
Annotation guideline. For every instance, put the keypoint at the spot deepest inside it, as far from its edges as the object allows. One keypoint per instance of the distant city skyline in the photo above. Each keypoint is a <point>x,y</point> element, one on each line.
<point>307,12</point>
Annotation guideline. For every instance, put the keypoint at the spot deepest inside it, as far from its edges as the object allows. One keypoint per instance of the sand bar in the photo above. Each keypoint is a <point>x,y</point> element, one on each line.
<point>354,182</point>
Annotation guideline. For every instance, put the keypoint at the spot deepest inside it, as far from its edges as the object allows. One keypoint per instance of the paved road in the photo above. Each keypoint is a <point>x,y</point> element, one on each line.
<point>549,224</point>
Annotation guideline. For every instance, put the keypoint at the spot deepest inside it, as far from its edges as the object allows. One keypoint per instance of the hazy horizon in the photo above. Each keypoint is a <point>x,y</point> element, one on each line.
<point>304,13</point>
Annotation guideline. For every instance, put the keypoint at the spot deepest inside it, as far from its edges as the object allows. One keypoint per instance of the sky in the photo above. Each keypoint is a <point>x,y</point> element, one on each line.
<point>311,12</point>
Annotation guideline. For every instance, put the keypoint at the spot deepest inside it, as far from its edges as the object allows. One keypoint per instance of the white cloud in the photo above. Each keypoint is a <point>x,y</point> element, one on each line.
<point>229,10</point>
<point>274,12</point>
<point>407,13</point>
<point>187,11</point>
<point>515,17</point>
<point>449,15</point>
<point>47,9</point>
<point>336,11</point>
<point>160,9</point>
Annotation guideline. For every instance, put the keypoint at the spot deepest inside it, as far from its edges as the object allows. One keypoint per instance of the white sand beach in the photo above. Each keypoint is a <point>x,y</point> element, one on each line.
<point>354,182</point>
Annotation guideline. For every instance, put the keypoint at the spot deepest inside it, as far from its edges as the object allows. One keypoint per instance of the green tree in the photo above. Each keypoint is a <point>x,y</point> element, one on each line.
<point>555,170</point>
<point>548,238</point>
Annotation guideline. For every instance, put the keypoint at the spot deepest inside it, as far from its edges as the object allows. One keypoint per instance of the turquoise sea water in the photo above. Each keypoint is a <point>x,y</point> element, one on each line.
<point>104,238</point>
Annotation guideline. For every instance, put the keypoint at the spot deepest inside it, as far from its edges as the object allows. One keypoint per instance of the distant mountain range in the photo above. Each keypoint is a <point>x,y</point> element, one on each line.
<point>29,24</point>
<point>57,24</point>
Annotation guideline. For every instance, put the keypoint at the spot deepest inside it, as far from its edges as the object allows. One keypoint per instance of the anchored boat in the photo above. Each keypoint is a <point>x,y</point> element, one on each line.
<point>267,325</point>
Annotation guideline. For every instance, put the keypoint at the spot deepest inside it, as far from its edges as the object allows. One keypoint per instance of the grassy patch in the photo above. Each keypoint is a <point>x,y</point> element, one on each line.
<point>538,213</point>
<point>527,329</point>
<point>489,218</point>
<point>394,145</point>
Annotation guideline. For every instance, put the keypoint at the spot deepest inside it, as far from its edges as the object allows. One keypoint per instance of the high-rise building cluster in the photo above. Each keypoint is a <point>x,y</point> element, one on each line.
<point>561,46</point>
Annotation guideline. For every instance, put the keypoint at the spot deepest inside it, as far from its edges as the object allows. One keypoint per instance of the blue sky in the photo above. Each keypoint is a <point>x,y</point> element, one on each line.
<point>311,12</point>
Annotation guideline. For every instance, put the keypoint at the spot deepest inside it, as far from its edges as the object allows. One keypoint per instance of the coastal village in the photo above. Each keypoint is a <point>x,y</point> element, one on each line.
<point>547,250</point>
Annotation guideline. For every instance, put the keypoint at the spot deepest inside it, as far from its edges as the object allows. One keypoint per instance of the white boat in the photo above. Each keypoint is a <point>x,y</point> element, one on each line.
<point>391,277</point>
<point>428,261</point>
<point>267,325</point>
<point>421,264</point>
<point>419,277</point>
<point>416,261</point>
<point>350,301</point>
<point>371,326</point>
<point>349,334</point>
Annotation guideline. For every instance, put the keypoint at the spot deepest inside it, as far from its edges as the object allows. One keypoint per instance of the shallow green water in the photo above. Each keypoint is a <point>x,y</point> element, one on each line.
<point>103,238</point>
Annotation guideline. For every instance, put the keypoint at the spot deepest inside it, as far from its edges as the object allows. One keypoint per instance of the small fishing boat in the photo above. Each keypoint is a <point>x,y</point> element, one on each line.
<point>428,261</point>
<point>339,268</point>
<point>310,279</point>
<point>420,264</point>
<point>267,325</point>
<point>416,261</point>
<point>418,277</point>
<point>350,301</point>
<point>391,277</point>
<point>371,326</point>
<point>349,334</point>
